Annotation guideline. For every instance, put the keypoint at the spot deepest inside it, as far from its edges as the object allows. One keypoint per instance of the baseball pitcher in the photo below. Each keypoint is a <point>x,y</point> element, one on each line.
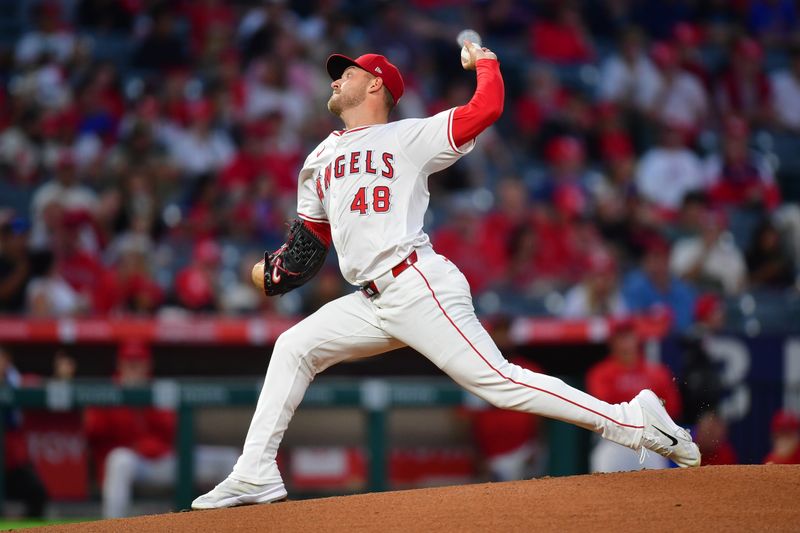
<point>364,189</point>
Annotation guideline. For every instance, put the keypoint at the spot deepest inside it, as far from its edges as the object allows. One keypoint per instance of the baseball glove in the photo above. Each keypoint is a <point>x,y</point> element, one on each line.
<point>294,263</point>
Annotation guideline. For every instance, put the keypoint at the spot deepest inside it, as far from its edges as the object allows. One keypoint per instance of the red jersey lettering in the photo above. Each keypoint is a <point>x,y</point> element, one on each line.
<point>354,157</point>
<point>370,168</point>
<point>338,167</point>
<point>388,171</point>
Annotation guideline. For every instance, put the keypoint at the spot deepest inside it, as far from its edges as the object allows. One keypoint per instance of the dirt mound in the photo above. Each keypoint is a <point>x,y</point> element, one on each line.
<point>722,498</point>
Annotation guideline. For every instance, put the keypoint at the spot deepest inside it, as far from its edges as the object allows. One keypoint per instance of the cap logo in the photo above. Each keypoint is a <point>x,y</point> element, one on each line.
<point>378,70</point>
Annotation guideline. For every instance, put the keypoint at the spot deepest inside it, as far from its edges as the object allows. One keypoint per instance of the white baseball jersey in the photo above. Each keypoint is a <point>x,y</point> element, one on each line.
<point>371,184</point>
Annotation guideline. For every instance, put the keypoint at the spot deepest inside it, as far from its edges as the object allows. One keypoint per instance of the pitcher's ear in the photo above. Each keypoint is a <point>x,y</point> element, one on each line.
<point>376,84</point>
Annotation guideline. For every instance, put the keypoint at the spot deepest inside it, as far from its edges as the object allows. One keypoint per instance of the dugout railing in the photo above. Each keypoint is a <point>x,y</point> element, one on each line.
<point>374,397</point>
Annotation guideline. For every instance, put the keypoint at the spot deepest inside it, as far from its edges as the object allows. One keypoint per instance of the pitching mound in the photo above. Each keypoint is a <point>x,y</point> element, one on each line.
<point>723,498</point>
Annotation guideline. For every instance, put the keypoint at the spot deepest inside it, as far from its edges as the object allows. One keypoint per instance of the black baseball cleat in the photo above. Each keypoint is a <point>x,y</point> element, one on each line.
<point>663,436</point>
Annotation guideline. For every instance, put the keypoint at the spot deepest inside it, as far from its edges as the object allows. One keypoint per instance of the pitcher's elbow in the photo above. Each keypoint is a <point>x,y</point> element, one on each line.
<point>497,112</point>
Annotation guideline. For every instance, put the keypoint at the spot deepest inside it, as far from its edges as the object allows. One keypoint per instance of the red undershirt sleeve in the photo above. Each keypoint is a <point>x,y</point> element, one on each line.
<point>321,230</point>
<point>486,104</point>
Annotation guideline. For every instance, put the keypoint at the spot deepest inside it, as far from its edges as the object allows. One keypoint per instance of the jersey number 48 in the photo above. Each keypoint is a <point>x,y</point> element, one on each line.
<point>380,200</point>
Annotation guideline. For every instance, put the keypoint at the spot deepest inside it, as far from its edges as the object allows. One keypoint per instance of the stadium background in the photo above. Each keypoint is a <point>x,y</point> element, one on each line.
<point>149,152</point>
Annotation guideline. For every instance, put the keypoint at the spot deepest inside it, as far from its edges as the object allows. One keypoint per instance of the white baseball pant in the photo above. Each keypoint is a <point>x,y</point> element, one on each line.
<point>429,308</point>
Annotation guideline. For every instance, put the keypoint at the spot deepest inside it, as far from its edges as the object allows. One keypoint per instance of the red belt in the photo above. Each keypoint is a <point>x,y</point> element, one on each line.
<point>370,289</point>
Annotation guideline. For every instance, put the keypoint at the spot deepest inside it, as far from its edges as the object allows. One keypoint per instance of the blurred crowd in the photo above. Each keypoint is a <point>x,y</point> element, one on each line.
<point>647,153</point>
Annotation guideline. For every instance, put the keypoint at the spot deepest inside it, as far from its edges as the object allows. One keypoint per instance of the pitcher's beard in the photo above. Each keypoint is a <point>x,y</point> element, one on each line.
<point>338,103</point>
<point>333,106</point>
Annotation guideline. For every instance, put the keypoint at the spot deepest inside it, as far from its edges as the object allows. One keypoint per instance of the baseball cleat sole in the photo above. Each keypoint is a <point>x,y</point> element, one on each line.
<point>233,493</point>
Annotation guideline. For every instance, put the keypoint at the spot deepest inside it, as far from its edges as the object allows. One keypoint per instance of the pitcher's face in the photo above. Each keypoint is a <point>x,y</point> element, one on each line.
<point>349,90</point>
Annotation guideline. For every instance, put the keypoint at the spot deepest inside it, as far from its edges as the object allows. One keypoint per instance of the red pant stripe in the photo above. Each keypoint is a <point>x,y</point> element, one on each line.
<point>506,377</point>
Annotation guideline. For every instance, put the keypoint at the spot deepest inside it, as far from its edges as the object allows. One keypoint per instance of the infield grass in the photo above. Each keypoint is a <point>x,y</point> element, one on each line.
<point>13,525</point>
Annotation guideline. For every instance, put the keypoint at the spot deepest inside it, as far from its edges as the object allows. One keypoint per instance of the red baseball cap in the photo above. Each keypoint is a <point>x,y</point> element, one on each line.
<point>375,64</point>
<point>623,325</point>
<point>706,305</point>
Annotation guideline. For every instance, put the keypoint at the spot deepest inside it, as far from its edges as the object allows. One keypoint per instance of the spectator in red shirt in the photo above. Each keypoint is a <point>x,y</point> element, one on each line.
<point>511,207</point>
<point>245,167</point>
<point>563,38</point>
<point>134,445</point>
<point>543,100</point>
<point>196,285</point>
<point>687,39</point>
<point>744,88</point>
<point>711,436</point>
<point>614,141</point>
<point>471,245</point>
<point>785,429</point>
<point>739,177</point>
<point>212,21</point>
<point>204,217</point>
<point>619,376</point>
<point>81,268</point>
<point>282,158</point>
<point>547,254</point>
<point>510,212</point>
<point>120,438</point>
<point>139,292</point>
<point>567,186</point>
<point>231,92</point>
<point>172,104</point>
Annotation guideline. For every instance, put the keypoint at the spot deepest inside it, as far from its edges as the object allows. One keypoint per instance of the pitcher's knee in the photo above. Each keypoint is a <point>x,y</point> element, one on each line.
<point>292,347</point>
<point>121,462</point>
<point>496,396</point>
<point>504,401</point>
<point>289,344</point>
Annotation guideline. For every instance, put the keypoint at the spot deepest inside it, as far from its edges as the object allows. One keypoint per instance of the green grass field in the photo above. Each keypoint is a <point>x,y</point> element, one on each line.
<point>12,525</point>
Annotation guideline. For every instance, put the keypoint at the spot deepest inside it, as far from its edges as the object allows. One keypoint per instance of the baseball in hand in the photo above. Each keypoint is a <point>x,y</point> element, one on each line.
<point>257,274</point>
<point>468,35</point>
<point>470,43</point>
